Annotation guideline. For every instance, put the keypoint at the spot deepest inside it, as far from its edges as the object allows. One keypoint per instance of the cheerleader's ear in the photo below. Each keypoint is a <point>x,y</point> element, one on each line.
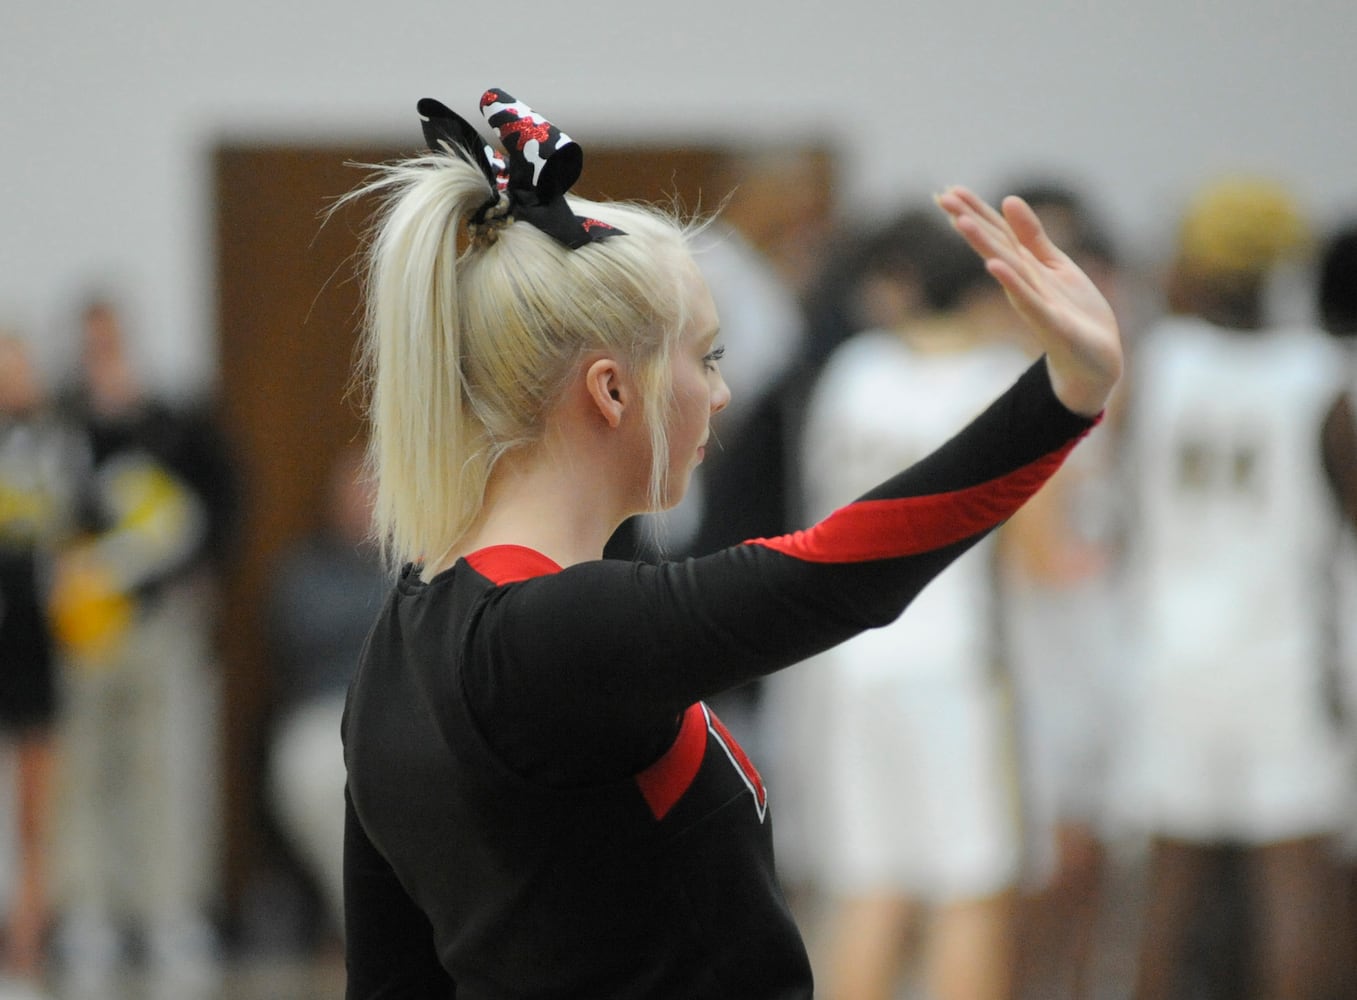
<point>608,389</point>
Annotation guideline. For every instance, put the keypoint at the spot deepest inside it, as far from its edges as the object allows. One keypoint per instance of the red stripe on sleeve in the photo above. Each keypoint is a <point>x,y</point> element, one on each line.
<point>888,529</point>
<point>664,782</point>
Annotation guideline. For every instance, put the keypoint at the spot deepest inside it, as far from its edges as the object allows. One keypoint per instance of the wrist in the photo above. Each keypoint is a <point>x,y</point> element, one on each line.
<point>1081,389</point>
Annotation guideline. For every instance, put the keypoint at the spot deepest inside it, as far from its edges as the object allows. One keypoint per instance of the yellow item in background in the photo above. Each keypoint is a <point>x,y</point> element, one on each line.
<point>1240,225</point>
<point>90,614</point>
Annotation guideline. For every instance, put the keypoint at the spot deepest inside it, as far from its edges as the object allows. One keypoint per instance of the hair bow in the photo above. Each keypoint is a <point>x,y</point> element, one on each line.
<point>543,162</point>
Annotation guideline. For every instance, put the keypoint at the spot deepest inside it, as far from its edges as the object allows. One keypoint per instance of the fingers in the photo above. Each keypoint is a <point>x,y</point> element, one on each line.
<point>1017,225</point>
<point>960,204</point>
<point>1002,257</point>
<point>1027,227</point>
<point>992,237</point>
<point>980,208</point>
<point>984,235</point>
<point>1028,300</point>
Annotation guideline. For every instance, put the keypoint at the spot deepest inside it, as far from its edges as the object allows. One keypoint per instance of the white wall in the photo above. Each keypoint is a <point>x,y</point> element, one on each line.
<point>110,110</point>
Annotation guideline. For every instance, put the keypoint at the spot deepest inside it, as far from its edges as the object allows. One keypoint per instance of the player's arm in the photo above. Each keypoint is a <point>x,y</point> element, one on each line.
<point>1340,454</point>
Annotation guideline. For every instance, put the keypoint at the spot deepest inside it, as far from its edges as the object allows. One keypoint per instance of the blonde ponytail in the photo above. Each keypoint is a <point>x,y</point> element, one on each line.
<point>465,350</point>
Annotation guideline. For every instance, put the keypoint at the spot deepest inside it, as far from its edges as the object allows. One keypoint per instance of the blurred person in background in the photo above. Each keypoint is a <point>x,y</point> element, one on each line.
<point>1336,301</point>
<point>742,486</point>
<point>34,512</point>
<point>770,207</point>
<point>132,607</point>
<point>325,594</point>
<point>1337,310</point>
<point>1232,752</point>
<point>833,306</point>
<point>1062,614</point>
<point>921,825</point>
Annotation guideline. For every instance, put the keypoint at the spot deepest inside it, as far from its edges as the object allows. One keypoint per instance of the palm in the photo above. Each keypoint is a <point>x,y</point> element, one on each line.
<point>1069,316</point>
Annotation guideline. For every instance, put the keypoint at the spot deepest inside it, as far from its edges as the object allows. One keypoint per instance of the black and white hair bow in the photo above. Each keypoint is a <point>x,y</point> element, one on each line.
<point>542,164</point>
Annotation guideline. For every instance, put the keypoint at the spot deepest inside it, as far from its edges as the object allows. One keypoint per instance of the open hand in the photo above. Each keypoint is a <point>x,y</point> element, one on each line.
<point>1069,316</point>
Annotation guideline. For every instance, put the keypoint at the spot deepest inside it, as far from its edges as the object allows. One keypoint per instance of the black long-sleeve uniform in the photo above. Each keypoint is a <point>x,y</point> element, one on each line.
<point>541,806</point>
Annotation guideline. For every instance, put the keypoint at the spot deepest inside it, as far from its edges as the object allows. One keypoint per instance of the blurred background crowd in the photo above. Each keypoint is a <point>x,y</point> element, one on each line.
<point>1111,754</point>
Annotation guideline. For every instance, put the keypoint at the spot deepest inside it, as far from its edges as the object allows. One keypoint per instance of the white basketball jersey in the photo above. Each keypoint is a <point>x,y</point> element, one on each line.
<point>1233,513</point>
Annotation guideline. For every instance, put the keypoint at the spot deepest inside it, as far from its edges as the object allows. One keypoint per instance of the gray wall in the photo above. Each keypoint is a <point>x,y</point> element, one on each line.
<point>111,110</point>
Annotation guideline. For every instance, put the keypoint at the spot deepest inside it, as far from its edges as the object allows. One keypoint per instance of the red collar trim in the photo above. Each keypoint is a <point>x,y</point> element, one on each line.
<point>501,564</point>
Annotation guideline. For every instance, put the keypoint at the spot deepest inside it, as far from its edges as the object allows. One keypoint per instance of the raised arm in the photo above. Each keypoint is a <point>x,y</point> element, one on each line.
<point>628,645</point>
<point>1071,319</point>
